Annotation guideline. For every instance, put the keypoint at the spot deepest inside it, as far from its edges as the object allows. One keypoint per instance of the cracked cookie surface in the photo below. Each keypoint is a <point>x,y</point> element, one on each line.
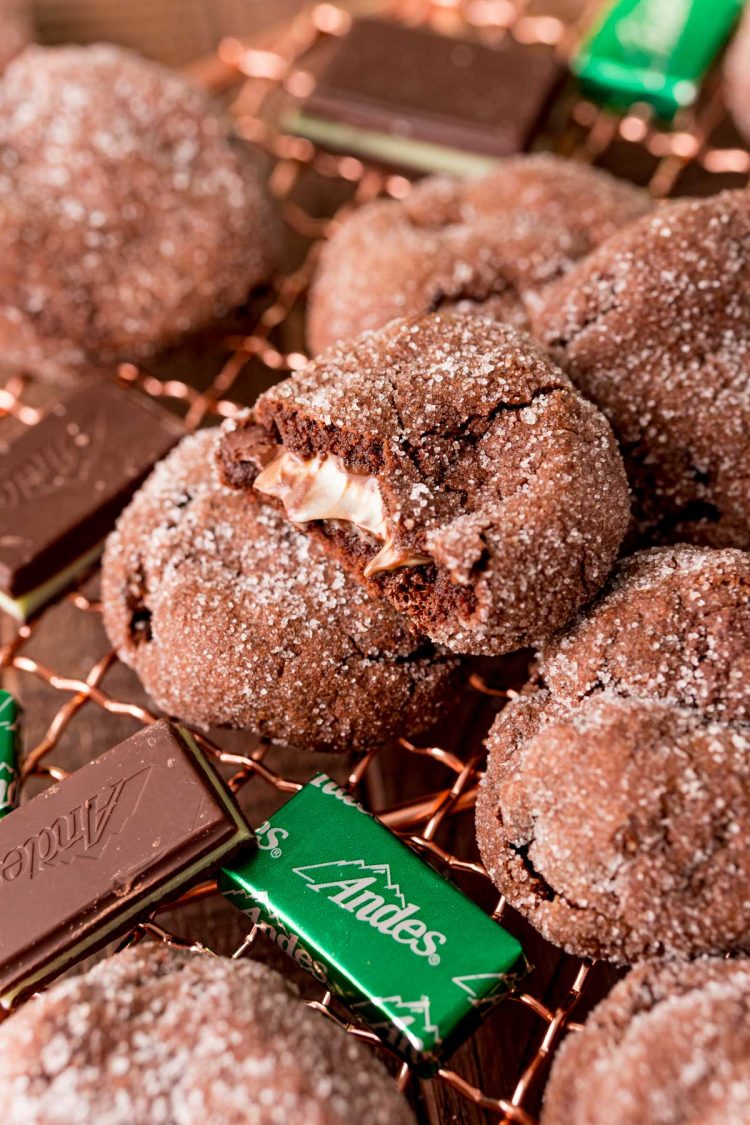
<point>159,1036</point>
<point>655,328</point>
<point>231,617</point>
<point>670,1045</point>
<point>487,462</point>
<point>620,827</point>
<point>673,623</point>
<point>491,245</point>
<point>615,812</point>
<point>131,215</point>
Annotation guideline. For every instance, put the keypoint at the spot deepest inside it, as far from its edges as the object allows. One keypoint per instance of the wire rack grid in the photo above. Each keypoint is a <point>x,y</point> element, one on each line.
<point>699,154</point>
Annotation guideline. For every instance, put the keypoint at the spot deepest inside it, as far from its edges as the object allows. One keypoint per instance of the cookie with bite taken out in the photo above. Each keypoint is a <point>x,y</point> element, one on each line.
<point>452,469</point>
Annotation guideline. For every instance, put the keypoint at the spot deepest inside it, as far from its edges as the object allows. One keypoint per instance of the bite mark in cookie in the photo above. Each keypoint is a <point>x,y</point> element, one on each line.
<point>495,496</point>
<point>232,617</point>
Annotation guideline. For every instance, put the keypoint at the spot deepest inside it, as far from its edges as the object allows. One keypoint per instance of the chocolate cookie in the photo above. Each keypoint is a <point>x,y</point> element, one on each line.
<point>673,624</point>
<point>737,77</point>
<point>130,213</point>
<point>615,812</point>
<point>620,827</point>
<point>232,617</point>
<point>669,1046</point>
<point>491,245</point>
<point>655,327</point>
<point>157,1035</point>
<point>453,470</point>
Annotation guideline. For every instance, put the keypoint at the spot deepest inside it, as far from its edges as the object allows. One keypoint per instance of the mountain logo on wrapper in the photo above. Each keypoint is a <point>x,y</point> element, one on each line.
<point>82,833</point>
<point>479,987</point>
<point>367,891</point>
<point>7,786</point>
<point>392,939</point>
<point>409,1020</point>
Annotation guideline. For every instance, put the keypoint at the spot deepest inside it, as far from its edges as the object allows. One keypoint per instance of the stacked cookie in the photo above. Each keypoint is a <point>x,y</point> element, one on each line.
<point>439,483</point>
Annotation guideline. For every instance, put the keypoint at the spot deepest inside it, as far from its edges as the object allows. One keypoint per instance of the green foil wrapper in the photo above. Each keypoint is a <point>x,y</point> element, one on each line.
<point>8,755</point>
<point>401,946</point>
<point>654,51</point>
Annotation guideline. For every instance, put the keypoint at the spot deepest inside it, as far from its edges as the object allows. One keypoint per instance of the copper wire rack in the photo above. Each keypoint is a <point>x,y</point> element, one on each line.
<point>699,154</point>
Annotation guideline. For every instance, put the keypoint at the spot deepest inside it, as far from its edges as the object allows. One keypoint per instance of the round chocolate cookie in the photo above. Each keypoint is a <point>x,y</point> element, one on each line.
<point>655,328</point>
<point>130,216</point>
<point>737,77</point>
<point>672,624</point>
<point>587,202</point>
<point>491,245</point>
<point>157,1036</point>
<point>620,827</point>
<point>670,1045</point>
<point>453,469</point>
<point>230,616</point>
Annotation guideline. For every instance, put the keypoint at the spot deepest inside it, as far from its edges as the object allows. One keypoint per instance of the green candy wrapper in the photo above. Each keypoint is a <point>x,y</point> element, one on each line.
<point>8,758</point>
<point>401,946</point>
<point>654,51</point>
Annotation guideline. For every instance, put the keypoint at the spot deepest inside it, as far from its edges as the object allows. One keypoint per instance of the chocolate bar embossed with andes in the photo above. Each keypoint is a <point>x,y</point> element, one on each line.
<point>83,862</point>
<point>63,483</point>
<point>413,98</point>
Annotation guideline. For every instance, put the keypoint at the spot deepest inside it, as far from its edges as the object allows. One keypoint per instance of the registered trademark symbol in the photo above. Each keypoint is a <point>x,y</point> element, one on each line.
<point>434,959</point>
<point>275,853</point>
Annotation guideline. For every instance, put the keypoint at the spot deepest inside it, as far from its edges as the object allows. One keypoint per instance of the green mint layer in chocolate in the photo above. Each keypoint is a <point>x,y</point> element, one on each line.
<point>66,479</point>
<point>401,946</point>
<point>387,148</point>
<point>84,861</point>
<point>27,604</point>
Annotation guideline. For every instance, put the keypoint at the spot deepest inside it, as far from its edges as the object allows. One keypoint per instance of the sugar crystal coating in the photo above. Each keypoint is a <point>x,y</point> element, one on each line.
<point>487,461</point>
<point>615,812</point>
<point>654,327</point>
<point>670,1045</point>
<point>673,624</point>
<point>130,214</point>
<point>158,1036</point>
<point>232,617</point>
<point>491,245</point>
<point>620,827</point>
